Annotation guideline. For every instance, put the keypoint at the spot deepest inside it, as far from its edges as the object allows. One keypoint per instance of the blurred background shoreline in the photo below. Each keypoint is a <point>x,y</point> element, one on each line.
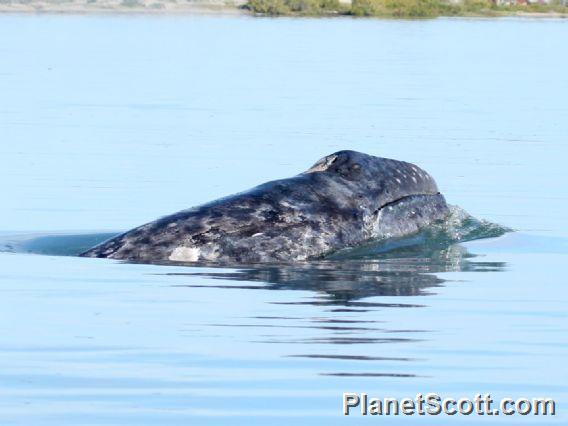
<point>389,9</point>
<point>205,7</point>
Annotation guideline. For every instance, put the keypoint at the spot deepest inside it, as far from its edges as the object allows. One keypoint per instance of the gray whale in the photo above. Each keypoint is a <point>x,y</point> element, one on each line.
<point>345,199</point>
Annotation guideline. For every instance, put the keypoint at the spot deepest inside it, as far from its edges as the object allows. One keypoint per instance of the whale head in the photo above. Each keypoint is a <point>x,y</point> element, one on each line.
<point>381,180</point>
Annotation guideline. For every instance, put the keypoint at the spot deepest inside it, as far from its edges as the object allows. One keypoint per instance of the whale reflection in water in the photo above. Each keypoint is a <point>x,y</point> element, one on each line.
<point>349,321</point>
<point>406,271</point>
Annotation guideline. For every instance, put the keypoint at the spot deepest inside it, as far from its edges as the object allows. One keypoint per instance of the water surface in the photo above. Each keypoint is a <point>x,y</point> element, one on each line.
<point>108,122</point>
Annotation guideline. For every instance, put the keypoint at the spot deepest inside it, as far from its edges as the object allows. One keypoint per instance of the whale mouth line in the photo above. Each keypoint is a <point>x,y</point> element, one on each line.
<point>398,200</point>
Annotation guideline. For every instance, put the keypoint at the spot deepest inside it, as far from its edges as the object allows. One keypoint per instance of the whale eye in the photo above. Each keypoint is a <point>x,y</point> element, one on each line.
<point>356,167</point>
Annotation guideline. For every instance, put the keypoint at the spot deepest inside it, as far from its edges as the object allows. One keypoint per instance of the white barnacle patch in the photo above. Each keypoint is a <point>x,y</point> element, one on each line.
<point>185,254</point>
<point>414,179</point>
<point>258,234</point>
<point>209,252</point>
<point>398,180</point>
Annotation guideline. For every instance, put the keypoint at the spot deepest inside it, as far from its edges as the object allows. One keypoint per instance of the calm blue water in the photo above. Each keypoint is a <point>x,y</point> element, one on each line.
<point>108,122</point>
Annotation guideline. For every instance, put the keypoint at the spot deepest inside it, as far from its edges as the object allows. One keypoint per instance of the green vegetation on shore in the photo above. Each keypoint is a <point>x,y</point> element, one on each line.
<point>296,7</point>
<point>397,8</point>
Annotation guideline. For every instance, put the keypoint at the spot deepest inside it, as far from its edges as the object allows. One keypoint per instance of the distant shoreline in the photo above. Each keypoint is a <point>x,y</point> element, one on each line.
<point>146,7</point>
<point>207,7</point>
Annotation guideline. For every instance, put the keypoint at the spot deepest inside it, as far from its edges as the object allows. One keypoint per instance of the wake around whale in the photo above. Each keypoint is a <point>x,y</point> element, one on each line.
<point>344,200</point>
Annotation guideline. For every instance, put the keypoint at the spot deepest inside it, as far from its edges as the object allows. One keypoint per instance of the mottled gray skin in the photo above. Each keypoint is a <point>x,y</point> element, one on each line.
<point>345,199</point>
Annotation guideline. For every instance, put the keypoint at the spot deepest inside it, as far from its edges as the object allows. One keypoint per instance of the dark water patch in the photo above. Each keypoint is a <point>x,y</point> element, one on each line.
<point>276,318</point>
<point>352,357</point>
<point>223,287</point>
<point>344,340</point>
<point>345,321</point>
<point>401,375</point>
<point>330,328</point>
<point>355,304</point>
